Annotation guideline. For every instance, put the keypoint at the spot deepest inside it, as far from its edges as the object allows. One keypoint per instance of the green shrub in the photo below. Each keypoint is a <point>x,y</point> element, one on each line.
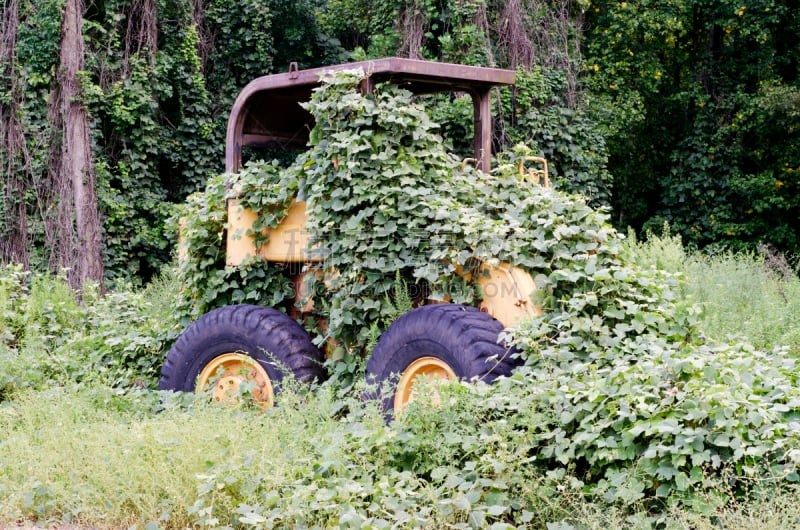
<point>647,407</point>
<point>49,337</point>
<point>38,313</point>
<point>124,337</point>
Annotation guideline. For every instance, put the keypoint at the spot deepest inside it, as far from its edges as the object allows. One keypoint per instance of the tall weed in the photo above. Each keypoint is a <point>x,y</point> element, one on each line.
<point>662,252</point>
<point>743,297</point>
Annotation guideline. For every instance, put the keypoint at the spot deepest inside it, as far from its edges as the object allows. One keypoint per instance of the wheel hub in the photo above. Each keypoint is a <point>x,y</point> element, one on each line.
<point>225,375</point>
<point>429,368</point>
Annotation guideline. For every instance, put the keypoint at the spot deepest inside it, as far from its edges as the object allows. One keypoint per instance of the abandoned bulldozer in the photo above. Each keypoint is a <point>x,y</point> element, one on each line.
<point>253,347</point>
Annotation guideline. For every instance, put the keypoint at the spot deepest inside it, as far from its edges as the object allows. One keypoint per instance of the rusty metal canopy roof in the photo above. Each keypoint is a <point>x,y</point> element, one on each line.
<point>267,112</point>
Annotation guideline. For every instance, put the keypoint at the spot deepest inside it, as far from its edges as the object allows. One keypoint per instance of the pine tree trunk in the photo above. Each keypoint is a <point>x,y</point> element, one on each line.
<point>75,173</point>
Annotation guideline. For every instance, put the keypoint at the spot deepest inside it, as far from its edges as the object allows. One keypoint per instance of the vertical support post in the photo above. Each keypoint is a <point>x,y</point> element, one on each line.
<point>482,104</point>
<point>367,86</point>
<point>233,139</point>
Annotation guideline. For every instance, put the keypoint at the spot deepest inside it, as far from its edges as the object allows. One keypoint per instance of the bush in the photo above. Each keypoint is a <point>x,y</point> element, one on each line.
<point>49,337</point>
<point>124,336</point>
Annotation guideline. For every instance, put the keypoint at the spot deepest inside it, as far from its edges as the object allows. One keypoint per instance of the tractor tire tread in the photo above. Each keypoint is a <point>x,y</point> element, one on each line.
<point>249,325</point>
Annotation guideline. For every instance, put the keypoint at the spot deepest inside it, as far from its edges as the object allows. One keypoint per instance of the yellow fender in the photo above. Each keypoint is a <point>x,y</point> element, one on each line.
<point>507,293</point>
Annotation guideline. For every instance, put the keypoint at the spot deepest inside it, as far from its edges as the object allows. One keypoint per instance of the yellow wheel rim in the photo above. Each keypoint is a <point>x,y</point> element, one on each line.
<point>227,372</point>
<point>426,367</point>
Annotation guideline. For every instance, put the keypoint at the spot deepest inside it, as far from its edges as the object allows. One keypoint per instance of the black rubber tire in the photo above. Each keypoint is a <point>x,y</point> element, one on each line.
<point>462,336</point>
<point>250,329</point>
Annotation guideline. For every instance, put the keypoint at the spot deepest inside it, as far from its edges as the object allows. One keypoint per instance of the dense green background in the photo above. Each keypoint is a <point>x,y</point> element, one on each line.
<point>681,112</point>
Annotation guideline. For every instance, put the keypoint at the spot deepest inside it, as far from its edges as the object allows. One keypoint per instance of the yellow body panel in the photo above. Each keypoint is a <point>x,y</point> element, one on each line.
<point>288,243</point>
<point>506,289</point>
<point>507,293</point>
<point>183,248</point>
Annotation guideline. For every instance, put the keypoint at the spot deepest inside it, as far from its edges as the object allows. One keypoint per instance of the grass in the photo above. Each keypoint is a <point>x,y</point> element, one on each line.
<point>745,295</point>
<point>101,457</point>
<point>95,457</point>
<point>78,455</point>
<point>138,467</point>
<point>80,452</point>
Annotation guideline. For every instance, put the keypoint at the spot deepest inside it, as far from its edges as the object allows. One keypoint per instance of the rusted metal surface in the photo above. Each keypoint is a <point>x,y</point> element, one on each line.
<point>267,112</point>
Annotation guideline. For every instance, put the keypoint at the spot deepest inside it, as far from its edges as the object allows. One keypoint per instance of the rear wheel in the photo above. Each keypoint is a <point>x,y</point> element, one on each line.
<point>443,341</point>
<point>241,344</point>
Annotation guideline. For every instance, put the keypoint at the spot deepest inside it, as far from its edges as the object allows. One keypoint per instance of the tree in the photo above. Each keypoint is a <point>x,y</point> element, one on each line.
<point>698,97</point>
<point>14,240</point>
<point>77,219</point>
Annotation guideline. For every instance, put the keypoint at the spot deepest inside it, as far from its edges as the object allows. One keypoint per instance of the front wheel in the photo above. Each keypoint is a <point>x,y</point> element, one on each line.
<point>241,344</point>
<point>442,341</point>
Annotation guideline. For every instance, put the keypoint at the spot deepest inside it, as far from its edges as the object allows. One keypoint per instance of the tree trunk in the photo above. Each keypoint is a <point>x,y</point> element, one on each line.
<point>14,228</point>
<point>74,173</point>
<point>412,27</point>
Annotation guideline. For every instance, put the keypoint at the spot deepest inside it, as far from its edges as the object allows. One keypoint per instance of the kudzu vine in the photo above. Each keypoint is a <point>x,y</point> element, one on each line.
<point>639,405</point>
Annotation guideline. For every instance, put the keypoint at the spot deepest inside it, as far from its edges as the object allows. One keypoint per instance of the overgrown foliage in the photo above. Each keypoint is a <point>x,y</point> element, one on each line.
<point>575,439</point>
<point>160,77</point>
<point>48,338</point>
<point>758,311</point>
<point>690,107</point>
<point>207,281</point>
<point>408,208</point>
<point>626,399</point>
<point>620,387</point>
<point>546,109</point>
<point>387,151</point>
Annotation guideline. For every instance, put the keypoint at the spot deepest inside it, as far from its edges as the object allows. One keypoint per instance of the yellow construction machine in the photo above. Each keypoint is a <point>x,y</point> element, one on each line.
<point>239,344</point>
